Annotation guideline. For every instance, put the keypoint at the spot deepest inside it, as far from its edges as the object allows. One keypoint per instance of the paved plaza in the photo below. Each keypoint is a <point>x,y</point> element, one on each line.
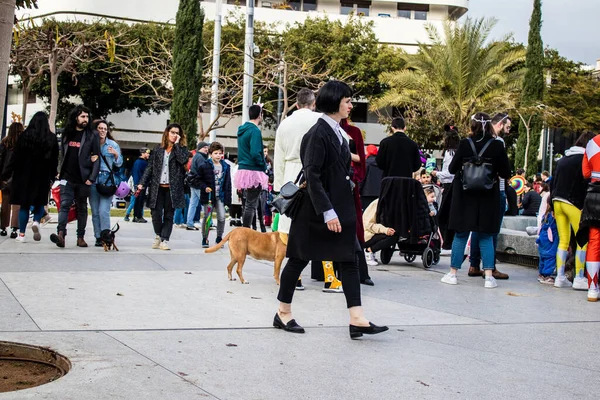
<point>150,324</point>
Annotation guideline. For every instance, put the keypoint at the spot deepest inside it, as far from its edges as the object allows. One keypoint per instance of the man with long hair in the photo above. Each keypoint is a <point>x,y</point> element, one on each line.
<point>77,168</point>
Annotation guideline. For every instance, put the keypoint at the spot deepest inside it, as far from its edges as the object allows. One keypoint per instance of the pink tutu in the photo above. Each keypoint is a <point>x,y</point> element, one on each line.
<point>246,179</point>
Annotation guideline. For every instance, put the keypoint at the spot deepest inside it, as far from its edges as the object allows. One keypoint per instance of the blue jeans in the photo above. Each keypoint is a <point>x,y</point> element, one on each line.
<point>181,213</point>
<point>100,206</point>
<point>475,256</point>
<point>486,246</point>
<point>194,206</point>
<point>131,205</point>
<point>220,209</point>
<point>38,213</point>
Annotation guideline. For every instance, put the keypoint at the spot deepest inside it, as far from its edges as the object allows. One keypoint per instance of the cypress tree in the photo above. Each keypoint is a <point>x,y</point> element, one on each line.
<point>187,67</point>
<point>533,91</point>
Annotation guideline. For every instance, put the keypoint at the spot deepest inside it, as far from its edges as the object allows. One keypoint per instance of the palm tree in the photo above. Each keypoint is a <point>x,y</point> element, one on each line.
<point>458,74</point>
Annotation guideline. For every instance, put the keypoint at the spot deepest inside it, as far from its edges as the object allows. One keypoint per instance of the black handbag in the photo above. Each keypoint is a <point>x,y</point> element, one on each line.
<point>477,174</point>
<point>289,199</point>
<point>106,189</point>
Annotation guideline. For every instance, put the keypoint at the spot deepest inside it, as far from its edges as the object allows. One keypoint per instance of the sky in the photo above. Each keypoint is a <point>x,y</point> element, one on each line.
<point>570,26</point>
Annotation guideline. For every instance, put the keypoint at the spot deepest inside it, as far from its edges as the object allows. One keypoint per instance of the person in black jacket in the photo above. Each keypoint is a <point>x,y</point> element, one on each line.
<point>78,169</point>
<point>164,178</point>
<point>325,227</point>
<point>568,190</point>
<point>531,201</point>
<point>7,147</point>
<point>214,178</point>
<point>476,210</point>
<point>398,155</point>
<point>371,186</point>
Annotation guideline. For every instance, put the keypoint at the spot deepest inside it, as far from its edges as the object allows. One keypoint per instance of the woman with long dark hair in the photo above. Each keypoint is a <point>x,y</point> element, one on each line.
<point>451,141</point>
<point>10,212</point>
<point>476,210</point>
<point>164,178</point>
<point>33,168</point>
<point>110,156</point>
<point>325,227</point>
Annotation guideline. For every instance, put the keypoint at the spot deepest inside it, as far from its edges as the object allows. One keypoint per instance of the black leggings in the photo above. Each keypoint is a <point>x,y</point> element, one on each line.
<point>380,241</point>
<point>294,267</point>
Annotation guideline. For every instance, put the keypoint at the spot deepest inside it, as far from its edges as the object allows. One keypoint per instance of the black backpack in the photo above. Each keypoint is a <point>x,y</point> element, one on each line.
<point>477,174</point>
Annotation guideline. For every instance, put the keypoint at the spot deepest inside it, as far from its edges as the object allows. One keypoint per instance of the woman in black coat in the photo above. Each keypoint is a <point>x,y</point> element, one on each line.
<point>164,178</point>
<point>325,227</point>
<point>33,167</point>
<point>476,211</point>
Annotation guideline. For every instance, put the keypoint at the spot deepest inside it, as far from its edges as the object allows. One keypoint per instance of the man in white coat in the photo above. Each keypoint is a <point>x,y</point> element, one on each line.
<point>287,166</point>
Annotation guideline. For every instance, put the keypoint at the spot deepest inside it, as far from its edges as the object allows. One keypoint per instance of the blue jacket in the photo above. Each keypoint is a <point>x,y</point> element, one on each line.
<point>548,248</point>
<point>206,173</point>
<point>139,166</point>
<point>250,148</point>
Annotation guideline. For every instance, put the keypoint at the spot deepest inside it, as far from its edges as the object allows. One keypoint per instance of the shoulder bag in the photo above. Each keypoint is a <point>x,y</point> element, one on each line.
<point>109,188</point>
<point>477,174</point>
<point>289,198</point>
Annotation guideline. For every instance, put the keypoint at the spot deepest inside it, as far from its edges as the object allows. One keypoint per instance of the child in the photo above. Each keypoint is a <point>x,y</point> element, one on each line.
<point>215,186</point>
<point>547,242</point>
<point>377,236</point>
<point>431,200</point>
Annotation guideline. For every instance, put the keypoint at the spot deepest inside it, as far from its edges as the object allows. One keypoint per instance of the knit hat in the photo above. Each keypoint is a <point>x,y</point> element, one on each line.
<point>201,145</point>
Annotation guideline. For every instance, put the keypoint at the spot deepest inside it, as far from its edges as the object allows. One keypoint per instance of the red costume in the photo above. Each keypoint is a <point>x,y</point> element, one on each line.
<point>591,169</point>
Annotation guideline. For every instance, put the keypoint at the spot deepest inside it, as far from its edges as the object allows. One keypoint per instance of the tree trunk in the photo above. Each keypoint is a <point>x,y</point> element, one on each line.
<point>26,91</point>
<point>53,97</point>
<point>7,19</point>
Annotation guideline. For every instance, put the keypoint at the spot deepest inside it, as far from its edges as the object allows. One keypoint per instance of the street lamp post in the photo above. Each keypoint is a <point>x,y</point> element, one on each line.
<point>248,60</point>
<point>214,100</point>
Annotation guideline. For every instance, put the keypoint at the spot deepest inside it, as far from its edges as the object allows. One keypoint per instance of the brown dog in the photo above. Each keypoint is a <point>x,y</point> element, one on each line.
<point>260,246</point>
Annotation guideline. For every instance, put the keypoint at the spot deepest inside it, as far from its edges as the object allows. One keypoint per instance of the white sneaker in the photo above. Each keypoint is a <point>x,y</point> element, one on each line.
<point>35,227</point>
<point>20,239</point>
<point>490,283</point>
<point>198,225</point>
<point>338,289</point>
<point>561,282</point>
<point>450,279</point>
<point>580,283</point>
<point>370,259</point>
<point>445,253</point>
<point>156,243</point>
<point>593,295</point>
<point>164,245</point>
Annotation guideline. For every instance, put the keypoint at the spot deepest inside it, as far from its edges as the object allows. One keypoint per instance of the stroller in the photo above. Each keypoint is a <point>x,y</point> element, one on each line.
<point>403,207</point>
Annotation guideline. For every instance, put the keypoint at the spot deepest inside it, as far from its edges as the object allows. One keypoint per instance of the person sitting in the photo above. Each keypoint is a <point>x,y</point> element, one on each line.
<point>377,236</point>
<point>431,201</point>
<point>531,201</point>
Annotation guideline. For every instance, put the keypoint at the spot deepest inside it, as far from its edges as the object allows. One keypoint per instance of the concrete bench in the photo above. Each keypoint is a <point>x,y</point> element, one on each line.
<point>514,240</point>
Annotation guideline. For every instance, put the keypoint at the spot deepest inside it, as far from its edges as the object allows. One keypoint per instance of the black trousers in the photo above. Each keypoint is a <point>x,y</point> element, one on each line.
<point>295,266</point>
<point>361,263</point>
<point>380,241</point>
<point>162,214</point>
<point>235,211</point>
<point>138,206</point>
<point>252,197</point>
<point>78,192</point>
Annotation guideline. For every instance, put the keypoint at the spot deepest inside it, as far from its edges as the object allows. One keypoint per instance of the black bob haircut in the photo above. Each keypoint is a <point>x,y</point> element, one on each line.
<point>331,95</point>
<point>254,111</point>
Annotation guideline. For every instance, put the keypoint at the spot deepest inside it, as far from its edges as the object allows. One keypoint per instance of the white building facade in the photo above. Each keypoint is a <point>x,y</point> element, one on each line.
<point>396,23</point>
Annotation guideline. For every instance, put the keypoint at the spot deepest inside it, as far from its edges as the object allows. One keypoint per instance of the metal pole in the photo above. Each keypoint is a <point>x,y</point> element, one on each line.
<point>545,149</point>
<point>214,100</point>
<point>248,60</point>
<point>551,157</point>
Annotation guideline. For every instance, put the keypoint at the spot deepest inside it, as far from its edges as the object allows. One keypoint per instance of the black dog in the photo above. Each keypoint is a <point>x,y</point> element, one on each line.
<point>107,237</point>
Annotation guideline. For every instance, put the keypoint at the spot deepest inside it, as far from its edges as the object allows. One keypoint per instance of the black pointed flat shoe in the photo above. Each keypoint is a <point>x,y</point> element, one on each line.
<point>291,326</point>
<point>372,329</point>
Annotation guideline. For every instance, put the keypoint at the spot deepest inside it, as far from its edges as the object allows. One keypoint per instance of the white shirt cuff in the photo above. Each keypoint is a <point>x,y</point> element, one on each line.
<point>329,215</point>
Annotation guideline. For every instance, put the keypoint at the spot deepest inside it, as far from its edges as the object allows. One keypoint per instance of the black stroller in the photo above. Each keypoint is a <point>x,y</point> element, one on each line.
<point>403,207</point>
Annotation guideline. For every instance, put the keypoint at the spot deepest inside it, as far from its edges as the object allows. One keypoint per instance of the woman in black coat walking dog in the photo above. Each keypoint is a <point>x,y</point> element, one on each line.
<point>164,178</point>
<point>325,227</point>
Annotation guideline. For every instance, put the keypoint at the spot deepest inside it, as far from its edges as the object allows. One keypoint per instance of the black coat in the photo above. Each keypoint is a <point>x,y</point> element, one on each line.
<point>403,206</point>
<point>90,145</point>
<point>33,172</point>
<point>206,179</point>
<point>326,166</point>
<point>371,186</point>
<point>177,169</point>
<point>398,156</point>
<point>531,203</point>
<point>477,211</point>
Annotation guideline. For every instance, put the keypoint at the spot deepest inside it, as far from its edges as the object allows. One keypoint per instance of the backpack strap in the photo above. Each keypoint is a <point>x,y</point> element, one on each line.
<point>473,147</point>
<point>485,148</point>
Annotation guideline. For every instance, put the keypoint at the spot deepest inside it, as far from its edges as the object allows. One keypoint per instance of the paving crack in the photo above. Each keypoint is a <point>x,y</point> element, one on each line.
<point>20,305</point>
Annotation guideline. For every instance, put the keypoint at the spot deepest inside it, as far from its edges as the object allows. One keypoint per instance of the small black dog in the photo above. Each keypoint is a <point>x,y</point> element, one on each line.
<point>107,237</point>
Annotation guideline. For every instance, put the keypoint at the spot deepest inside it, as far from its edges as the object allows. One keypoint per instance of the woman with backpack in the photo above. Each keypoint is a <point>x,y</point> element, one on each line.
<point>101,201</point>
<point>473,202</point>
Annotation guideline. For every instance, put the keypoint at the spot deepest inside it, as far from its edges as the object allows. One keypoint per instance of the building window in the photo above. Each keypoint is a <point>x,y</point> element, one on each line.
<point>294,5</point>
<point>241,3</point>
<point>416,11</point>
<point>361,8</point>
<point>309,5</point>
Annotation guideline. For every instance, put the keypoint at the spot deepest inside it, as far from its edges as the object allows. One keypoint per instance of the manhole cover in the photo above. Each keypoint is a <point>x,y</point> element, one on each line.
<point>24,366</point>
